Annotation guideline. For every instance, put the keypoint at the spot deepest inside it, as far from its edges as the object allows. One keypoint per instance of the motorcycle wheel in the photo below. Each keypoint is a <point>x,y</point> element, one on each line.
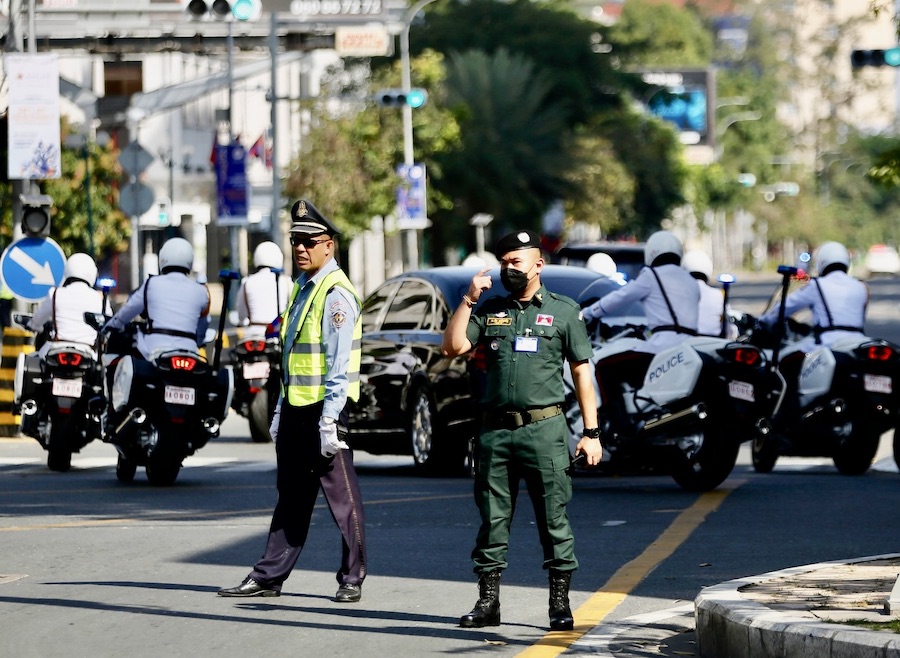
<point>162,473</point>
<point>259,417</point>
<point>711,465</point>
<point>764,454</point>
<point>125,469</point>
<point>59,457</point>
<point>854,455</point>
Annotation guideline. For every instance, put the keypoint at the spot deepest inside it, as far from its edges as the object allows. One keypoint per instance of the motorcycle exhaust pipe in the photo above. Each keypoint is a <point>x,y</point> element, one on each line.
<point>211,425</point>
<point>136,415</point>
<point>29,408</point>
<point>698,411</point>
<point>763,426</point>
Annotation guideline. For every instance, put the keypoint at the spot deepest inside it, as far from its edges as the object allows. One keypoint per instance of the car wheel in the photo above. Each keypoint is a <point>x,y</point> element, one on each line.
<point>433,450</point>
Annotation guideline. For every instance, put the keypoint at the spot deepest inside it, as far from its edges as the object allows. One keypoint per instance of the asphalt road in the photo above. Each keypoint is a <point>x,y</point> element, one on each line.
<point>93,567</point>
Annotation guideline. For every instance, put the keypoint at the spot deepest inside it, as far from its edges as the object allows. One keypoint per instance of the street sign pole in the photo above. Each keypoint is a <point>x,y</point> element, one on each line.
<point>135,199</point>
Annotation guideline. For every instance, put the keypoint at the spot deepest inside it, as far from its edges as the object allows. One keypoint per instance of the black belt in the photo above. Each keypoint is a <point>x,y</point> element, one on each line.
<point>515,418</point>
<point>836,327</point>
<point>173,332</point>
<point>675,328</point>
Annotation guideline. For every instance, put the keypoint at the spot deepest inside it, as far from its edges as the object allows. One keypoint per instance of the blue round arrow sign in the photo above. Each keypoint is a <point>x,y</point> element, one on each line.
<point>30,267</point>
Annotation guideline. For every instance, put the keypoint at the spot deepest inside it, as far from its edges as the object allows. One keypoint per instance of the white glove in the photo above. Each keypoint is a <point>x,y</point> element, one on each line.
<point>328,437</point>
<point>276,418</point>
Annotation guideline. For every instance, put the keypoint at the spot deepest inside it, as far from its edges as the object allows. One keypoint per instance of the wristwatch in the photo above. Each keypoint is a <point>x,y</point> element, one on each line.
<point>592,433</point>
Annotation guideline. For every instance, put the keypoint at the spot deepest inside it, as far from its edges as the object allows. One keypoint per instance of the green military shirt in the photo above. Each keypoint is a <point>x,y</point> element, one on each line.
<point>526,346</point>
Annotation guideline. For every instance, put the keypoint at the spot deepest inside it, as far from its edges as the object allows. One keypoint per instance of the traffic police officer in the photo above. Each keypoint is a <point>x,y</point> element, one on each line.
<point>263,295</point>
<point>172,302</point>
<point>711,318</point>
<point>527,336</point>
<point>64,308</point>
<point>671,303</point>
<point>838,301</point>
<point>320,333</point>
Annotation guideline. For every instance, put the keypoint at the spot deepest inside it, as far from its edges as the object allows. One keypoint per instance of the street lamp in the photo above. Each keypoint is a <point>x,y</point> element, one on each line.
<point>406,113</point>
<point>730,121</point>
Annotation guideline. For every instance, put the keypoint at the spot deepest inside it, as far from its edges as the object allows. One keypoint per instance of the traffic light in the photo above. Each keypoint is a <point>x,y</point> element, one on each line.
<point>36,215</point>
<point>886,57</point>
<point>240,10</point>
<point>398,98</point>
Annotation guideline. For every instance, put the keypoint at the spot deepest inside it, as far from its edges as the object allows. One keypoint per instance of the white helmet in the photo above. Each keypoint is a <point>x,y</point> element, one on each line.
<point>831,253</point>
<point>602,264</point>
<point>81,266</point>
<point>696,261</point>
<point>662,242</point>
<point>176,252</point>
<point>268,254</point>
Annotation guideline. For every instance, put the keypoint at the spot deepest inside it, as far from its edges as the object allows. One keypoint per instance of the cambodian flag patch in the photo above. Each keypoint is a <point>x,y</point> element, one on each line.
<point>544,320</point>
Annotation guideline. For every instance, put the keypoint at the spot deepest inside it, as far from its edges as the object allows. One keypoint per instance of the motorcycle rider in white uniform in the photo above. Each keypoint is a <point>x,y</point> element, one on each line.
<point>263,295</point>
<point>712,300</point>
<point>669,294</point>
<point>838,301</point>
<point>172,302</point>
<point>64,307</point>
<point>671,303</point>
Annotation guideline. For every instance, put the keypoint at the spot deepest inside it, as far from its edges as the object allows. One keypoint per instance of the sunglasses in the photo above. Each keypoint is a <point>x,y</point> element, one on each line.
<point>306,243</point>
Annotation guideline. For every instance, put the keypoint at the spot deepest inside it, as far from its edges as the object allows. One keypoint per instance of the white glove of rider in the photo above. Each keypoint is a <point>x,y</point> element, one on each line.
<point>328,437</point>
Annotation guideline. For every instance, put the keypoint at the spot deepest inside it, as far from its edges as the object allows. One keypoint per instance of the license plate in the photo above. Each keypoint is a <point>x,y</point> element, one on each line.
<point>877,384</point>
<point>741,391</point>
<point>258,370</point>
<point>67,388</point>
<point>179,395</point>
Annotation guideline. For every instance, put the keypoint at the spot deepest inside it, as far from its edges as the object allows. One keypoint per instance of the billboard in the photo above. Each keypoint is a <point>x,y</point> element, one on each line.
<point>686,99</point>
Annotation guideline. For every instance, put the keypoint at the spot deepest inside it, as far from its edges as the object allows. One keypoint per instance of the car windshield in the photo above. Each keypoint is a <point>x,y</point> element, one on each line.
<point>628,256</point>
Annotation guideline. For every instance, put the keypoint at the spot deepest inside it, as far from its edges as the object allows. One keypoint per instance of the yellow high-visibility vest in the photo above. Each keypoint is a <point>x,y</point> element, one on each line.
<point>303,382</point>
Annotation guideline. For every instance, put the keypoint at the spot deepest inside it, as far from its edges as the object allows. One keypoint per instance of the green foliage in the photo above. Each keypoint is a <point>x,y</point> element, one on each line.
<point>660,34</point>
<point>548,34</point>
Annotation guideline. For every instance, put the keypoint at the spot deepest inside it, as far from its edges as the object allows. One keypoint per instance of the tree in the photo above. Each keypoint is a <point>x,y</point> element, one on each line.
<point>660,34</point>
<point>512,161</point>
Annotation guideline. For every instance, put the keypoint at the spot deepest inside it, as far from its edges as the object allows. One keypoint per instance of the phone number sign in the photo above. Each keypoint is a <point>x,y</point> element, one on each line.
<point>337,8</point>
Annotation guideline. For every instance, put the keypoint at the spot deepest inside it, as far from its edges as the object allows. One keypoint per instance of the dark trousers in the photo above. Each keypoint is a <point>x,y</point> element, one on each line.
<point>302,471</point>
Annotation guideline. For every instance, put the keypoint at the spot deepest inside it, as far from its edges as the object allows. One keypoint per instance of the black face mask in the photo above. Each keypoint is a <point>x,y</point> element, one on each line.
<point>513,280</point>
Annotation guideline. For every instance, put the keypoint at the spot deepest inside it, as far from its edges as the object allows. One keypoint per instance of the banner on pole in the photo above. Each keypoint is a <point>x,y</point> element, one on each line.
<point>34,148</point>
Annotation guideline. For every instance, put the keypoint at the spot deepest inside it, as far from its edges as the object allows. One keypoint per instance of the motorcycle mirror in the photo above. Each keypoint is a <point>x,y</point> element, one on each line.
<point>106,283</point>
<point>94,320</point>
<point>231,275</point>
<point>787,270</point>
<point>726,279</point>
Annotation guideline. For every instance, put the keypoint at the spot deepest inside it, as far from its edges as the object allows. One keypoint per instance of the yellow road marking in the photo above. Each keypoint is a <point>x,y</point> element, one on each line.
<point>604,601</point>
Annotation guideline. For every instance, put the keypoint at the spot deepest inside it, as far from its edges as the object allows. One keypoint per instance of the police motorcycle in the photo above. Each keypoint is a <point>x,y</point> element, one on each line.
<point>257,375</point>
<point>690,412</point>
<point>58,392</point>
<point>163,411</point>
<point>846,398</point>
<point>257,372</point>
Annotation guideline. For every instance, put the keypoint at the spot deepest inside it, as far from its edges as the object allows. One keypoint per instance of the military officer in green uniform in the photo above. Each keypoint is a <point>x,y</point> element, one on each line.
<point>527,336</point>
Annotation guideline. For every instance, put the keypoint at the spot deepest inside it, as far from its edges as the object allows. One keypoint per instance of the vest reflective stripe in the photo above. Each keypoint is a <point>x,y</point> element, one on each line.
<point>307,370</point>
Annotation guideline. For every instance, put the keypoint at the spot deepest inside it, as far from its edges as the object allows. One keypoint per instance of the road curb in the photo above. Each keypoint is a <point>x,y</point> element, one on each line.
<point>728,624</point>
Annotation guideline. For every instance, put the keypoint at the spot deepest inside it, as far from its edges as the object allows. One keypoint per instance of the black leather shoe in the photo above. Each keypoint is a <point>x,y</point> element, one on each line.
<point>348,593</point>
<point>249,588</point>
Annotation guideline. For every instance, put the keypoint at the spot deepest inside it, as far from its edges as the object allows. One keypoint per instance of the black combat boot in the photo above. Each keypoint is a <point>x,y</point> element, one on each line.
<point>560,612</point>
<point>487,609</point>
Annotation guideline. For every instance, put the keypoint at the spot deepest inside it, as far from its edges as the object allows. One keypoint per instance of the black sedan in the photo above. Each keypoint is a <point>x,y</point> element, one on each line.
<point>413,400</point>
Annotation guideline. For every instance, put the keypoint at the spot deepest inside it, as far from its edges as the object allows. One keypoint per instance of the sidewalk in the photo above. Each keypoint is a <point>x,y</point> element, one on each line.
<point>797,612</point>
